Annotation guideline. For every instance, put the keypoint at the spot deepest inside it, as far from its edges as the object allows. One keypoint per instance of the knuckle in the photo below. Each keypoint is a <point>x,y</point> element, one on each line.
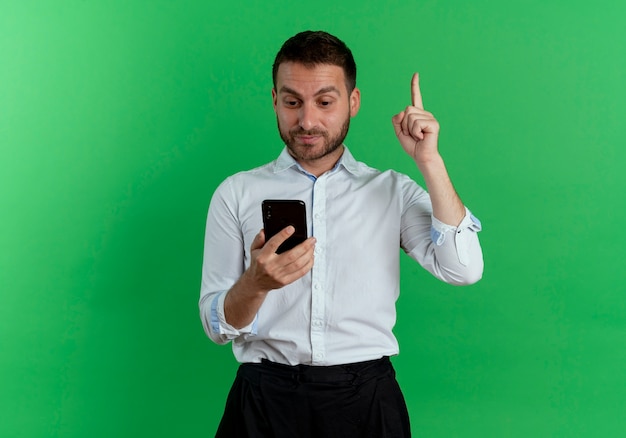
<point>263,264</point>
<point>289,256</point>
<point>300,263</point>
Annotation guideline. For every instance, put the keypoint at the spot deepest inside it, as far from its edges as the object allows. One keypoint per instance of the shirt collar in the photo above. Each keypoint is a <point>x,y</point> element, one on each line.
<point>286,161</point>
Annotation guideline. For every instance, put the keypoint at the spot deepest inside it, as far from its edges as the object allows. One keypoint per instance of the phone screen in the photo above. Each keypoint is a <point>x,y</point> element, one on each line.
<point>279,214</point>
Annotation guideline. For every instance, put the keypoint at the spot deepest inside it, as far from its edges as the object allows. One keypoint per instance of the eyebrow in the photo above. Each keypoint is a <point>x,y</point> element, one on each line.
<point>324,90</point>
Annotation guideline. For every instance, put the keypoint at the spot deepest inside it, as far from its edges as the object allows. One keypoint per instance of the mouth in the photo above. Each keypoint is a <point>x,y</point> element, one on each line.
<point>308,139</point>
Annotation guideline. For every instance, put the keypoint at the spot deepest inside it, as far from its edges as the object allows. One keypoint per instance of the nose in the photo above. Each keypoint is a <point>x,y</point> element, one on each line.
<point>307,118</point>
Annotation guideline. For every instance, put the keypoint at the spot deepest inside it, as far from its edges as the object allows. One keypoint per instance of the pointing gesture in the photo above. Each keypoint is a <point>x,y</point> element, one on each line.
<point>418,132</point>
<point>417,129</point>
<point>416,95</point>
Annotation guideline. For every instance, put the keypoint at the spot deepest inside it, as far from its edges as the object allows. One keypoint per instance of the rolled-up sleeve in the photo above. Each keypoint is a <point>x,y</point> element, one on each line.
<point>453,254</point>
<point>222,265</point>
<point>214,321</point>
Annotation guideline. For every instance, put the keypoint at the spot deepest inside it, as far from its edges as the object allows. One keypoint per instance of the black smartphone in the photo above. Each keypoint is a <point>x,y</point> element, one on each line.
<point>279,214</point>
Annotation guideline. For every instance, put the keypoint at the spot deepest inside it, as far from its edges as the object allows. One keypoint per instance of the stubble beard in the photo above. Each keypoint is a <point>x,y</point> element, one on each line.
<point>311,153</point>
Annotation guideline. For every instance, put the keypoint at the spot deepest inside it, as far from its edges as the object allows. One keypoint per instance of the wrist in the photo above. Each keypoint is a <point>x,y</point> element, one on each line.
<point>249,286</point>
<point>428,163</point>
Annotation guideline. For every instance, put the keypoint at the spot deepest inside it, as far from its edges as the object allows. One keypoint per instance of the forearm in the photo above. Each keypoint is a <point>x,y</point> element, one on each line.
<point>447,206</point>
<point>243,301</point>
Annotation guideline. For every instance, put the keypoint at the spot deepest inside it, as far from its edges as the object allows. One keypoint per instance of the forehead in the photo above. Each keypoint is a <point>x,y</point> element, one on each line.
<point>309,79</point>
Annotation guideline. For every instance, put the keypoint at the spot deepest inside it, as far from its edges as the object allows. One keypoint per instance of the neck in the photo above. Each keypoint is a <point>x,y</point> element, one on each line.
<point>319,166</point>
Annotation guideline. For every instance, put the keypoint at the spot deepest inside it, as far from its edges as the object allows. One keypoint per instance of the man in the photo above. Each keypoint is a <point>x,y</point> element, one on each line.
<point>312,327</point>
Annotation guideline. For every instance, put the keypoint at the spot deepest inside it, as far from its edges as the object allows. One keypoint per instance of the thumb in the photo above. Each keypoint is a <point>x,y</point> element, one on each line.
<point>397,122</point>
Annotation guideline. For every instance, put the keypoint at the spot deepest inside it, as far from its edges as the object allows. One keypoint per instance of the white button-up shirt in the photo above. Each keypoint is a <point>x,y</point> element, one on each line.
<point>343,310</point>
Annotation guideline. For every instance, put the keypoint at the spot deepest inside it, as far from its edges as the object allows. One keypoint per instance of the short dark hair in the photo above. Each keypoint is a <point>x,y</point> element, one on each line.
<point>312,48</point>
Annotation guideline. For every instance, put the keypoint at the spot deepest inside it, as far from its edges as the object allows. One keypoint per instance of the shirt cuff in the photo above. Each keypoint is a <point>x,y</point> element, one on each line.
<point>439,232</point>
<point>219,324</point>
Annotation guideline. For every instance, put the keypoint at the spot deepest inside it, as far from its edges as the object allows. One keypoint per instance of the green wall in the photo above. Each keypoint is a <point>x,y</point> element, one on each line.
<point>119,118</point>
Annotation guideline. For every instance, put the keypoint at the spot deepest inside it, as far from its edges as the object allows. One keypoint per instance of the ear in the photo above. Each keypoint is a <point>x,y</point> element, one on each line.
<point>274,98</point>
<point>355,102</point>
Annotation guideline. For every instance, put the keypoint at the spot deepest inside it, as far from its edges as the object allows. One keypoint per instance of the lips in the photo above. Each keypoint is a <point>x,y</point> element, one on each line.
<point>308,139</point>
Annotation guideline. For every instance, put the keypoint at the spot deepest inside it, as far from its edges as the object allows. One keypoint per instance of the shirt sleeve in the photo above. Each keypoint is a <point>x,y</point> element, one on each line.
<point>462,235</point>
<point>455,255</point>
<point>214,321</point>
<point>222,265</point>
<point>451,253</point>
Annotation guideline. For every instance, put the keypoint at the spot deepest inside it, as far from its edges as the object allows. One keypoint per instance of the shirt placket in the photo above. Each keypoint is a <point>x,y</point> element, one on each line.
<point>318,276</point>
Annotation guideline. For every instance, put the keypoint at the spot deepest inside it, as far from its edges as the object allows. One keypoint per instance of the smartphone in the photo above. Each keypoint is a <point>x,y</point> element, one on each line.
<point>279,214</point>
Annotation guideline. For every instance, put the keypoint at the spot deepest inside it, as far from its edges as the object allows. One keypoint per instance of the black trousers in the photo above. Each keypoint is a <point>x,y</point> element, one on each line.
<point>361,400</point>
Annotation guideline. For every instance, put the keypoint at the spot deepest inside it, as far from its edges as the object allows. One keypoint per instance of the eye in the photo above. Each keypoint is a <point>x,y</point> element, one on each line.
<point>325,103</point>
<point>291,102</point>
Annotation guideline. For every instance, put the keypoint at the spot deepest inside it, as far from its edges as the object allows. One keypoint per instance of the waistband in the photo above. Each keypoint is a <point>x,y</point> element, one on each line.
<point>312,373</point>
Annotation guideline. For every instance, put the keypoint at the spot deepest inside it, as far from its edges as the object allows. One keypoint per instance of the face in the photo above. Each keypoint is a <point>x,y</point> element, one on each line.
<point>313,109</point>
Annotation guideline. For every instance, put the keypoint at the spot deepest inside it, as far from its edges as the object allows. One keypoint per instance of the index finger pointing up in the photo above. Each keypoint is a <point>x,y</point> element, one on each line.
<point>416,95</point>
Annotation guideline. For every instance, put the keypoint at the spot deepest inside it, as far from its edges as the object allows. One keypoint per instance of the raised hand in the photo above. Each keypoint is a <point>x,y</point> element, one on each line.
<point>417,129</point>
<point>418,132</point>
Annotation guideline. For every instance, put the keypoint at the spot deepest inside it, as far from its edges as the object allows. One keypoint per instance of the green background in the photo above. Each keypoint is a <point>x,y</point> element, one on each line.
<point>118,119</point>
